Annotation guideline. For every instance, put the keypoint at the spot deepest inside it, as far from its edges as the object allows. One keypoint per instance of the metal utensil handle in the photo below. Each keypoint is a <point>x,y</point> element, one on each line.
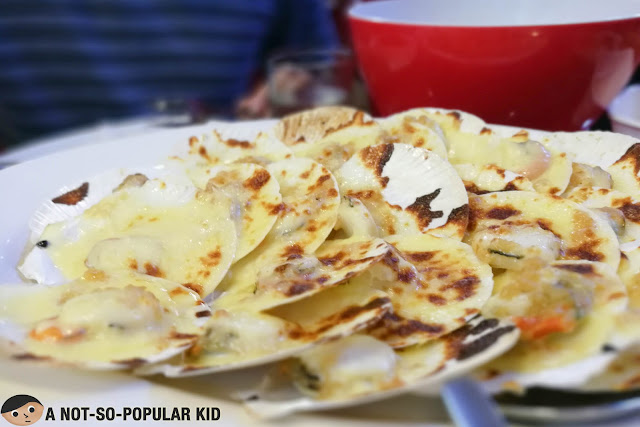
<point>469,406</point>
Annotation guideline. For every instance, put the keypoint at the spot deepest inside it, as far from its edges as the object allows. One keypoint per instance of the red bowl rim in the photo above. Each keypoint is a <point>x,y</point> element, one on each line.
<point>353,15</point>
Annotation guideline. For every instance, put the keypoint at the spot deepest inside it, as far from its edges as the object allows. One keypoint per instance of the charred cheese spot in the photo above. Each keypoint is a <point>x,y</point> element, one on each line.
<point>437,299</point>
<point>258,180</point>
<point>464,288</point>
<point>153,270</point>
<point>578,268</point>
<point>472,188</point>
<point>420,256</point>
<point>421,208</point>
<point>586,250</point>
<point>545,225</point>
<point>631,211</point>
<point>292,252</point>
<point>460,215</point>
<point>212,258</point>
<point>345,314</point>
<point>396,325</point>
<point>632,158</point>
<point>320,182</point>
<point>503,212</point>
<point>334,259</point>
<point>298,288</point>
<point>194,287</point>
<point>133,180</point>
<point>202,151</point>
<point>376,157</point>
<point>275,209</point>
<point>406,275</point>
<point>74,196</point>
<point>177,291</point>
<point>237,143</point>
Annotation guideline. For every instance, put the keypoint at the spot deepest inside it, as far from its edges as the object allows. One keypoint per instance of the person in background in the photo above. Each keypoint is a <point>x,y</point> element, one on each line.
<point>68,64</point>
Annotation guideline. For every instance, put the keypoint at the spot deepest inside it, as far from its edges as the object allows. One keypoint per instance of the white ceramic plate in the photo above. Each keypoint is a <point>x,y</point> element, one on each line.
<point>23,188</point>
<point>64,140</point>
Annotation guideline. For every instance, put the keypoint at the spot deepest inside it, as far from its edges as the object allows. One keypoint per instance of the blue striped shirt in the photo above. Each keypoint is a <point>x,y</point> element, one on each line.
<point>67,63</point>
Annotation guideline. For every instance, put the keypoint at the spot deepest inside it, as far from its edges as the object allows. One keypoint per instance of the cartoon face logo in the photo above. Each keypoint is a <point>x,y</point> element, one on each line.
<point>22,410</point>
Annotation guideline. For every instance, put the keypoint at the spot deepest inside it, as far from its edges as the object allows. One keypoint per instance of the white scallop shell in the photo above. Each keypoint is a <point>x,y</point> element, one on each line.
<point>13,332</point>
<point>99,186</point>
<point>275,398</point>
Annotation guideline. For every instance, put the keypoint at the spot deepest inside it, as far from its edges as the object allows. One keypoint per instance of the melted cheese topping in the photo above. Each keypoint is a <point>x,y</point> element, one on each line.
<point>621,374</point>
<point>583,234</point>
<point>255,197</point>
<point>435,286</point>
<point>213,149</point>
<point>239,338</point>
<point>471,142</point>
<point>309,211</point>
<point>328,135</point>
<point>330,377</point>
<point>620,210</point>
<point>351,366</point>
<point>568,306</point>
<point>178,233</point>
<point>612,152</point>
<point>511,246</point>
<point>588,176</point>
<point>355,220</point>
<point>105,321</point>
<point>316,258</point>
<point>243,333</point>
<point>414,127</point>
<point>334,263</point>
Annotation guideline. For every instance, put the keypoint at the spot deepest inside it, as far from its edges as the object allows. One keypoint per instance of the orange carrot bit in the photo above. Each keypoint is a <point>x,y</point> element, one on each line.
<point>533,328</point>
<point>53,334</point>
<point>48,335</point>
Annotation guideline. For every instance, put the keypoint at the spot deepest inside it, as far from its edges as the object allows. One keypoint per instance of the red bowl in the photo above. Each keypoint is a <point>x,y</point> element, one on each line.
<point>546,64</point>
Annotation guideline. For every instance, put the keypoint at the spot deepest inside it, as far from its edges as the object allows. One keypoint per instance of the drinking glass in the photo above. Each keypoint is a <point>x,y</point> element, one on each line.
<point>298,80</point>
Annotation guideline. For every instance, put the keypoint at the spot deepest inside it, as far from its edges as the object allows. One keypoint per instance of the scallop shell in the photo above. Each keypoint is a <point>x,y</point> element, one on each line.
<point>91,191</point>
<point>408,190</point>
<point>324,317</point>
<point>184,309</point>
<point>480,341</point>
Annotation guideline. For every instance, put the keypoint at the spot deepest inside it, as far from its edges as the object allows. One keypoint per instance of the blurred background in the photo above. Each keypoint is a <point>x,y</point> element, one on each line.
<point>69,64</point>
